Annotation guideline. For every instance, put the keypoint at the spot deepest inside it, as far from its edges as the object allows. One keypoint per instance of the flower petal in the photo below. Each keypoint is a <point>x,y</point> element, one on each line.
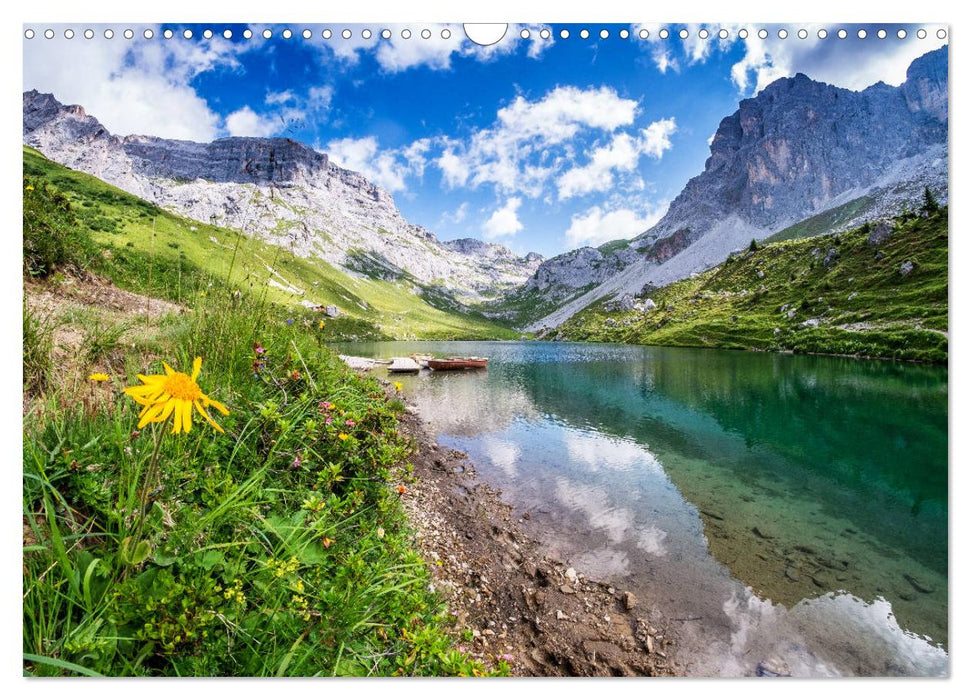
<point>196,366</point>
<point>205,415</point>
<point>168,370</point>
<point>215,404</point>
<point>167,411</point>
<point>177,419</point>
<point>150,415</point>
<point>187,416</point>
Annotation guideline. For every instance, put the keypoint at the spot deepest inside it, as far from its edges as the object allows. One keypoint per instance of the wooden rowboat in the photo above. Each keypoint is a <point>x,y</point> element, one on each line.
<point>422,360</point>
<point>454,363</point>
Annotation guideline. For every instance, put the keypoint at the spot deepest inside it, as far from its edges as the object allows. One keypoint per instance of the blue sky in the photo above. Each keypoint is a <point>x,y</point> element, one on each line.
<point>539,144</point>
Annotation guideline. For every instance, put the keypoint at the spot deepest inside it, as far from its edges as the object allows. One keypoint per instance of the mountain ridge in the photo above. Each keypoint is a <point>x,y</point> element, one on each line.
<point>798,148</point>
<point>279,190</point>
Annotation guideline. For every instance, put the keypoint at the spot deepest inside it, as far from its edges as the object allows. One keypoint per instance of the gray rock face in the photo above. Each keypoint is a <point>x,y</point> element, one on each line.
<point>625,303</point>
<point>564,276</point>
<point>796,149</point>
<point>880,232</point>
<point>906,267</point>
<point>279,190</point>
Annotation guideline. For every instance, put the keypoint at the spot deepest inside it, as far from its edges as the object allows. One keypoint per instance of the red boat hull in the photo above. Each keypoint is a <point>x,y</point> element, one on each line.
<point>453,364</point>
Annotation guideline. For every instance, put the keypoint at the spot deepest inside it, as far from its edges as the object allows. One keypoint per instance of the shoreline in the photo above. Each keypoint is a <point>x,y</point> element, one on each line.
<point>511,601</point>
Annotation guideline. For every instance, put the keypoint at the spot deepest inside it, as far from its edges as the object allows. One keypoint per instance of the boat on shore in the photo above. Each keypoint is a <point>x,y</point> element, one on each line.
<point>422,360</point>
<point>456,363</point>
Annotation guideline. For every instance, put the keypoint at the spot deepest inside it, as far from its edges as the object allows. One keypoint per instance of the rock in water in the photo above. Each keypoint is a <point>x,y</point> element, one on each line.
<point>773,667</point>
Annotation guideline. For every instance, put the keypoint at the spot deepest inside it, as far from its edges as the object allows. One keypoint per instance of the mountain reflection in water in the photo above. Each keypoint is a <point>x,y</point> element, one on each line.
<point>777,505</point>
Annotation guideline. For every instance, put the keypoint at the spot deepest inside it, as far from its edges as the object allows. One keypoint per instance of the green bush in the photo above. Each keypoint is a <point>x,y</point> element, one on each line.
<point>52,236</point>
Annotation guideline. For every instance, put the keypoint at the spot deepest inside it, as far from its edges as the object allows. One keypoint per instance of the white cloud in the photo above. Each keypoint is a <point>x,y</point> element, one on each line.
<point>455,169</point>
<point>457,216</point>
<point>852,63</point>
<point>596,226</point>
<point>246,122</point>
<point>504,221</point>
<point>622,154</point>
<point>389,168</point>
<point>530,140</point>
<point>396,53</point>
<point>137,87</point>
<point>564,111</point>
<point>280,98</point>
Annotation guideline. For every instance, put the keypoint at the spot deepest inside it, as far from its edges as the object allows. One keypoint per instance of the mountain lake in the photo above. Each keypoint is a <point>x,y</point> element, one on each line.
<point>770,506</point>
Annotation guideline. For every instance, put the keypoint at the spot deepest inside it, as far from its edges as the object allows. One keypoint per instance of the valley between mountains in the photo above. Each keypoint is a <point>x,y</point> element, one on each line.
<point>771,247</point>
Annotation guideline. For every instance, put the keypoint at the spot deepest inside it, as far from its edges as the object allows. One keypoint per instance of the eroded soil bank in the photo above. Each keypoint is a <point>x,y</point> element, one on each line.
<point>510,600</point>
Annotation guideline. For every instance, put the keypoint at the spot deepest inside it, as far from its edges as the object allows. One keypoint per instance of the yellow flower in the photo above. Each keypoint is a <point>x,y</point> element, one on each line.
<point>342,436</point>
<point>397,387</point>
<point>163,395</point>
<point>29,188</point>
<point>320,326</point>
<point>98,377</point>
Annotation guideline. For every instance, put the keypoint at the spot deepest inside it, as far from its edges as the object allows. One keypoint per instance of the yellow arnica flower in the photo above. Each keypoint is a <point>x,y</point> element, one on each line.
<point>342,436</point>
<point>173,394</point>
<point>99,377</point>
<point>29,188</point>
<point>397,387</point>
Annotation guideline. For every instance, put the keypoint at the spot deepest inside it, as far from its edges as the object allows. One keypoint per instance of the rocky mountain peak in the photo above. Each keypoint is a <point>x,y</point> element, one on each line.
<point>796,149</point>
<point>278,189</point>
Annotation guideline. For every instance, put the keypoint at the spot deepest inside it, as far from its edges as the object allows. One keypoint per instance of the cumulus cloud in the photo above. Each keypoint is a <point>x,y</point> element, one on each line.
<point>455,169</point>
<point>246,122</point>
<point>621,154</point>
<point>504,221</point>
<point>597,225</point>
<point>397,53</point>
<point>530,139</point>
<point>138,87</point>
<point>563,111</point>
<point>850,63</point>
<point>388,168</point>
<point>457,216</point>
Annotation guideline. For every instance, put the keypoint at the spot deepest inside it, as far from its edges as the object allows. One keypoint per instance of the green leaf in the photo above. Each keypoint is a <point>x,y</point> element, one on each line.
<point>57,663</point>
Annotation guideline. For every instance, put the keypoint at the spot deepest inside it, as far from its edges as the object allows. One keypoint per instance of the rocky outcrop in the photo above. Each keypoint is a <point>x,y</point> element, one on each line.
<point>280,190</point>
<point>798,148</point>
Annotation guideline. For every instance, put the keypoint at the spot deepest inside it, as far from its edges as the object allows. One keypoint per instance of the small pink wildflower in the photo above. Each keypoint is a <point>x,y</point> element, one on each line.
<point>328,421</point>
<point>296,461</point>
<point>350,423</point>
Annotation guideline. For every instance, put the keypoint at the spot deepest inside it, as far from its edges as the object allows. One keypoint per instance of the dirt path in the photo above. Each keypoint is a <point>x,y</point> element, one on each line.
<point>520,605</point>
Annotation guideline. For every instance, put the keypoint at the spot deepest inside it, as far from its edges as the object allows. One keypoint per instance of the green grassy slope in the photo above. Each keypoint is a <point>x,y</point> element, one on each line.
<point>155,252</point>
<point>822,222</point>
<point>860,304</point>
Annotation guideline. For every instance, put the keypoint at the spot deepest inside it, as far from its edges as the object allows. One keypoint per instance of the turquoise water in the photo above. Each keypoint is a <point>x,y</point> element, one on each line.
<point>769,506</point>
